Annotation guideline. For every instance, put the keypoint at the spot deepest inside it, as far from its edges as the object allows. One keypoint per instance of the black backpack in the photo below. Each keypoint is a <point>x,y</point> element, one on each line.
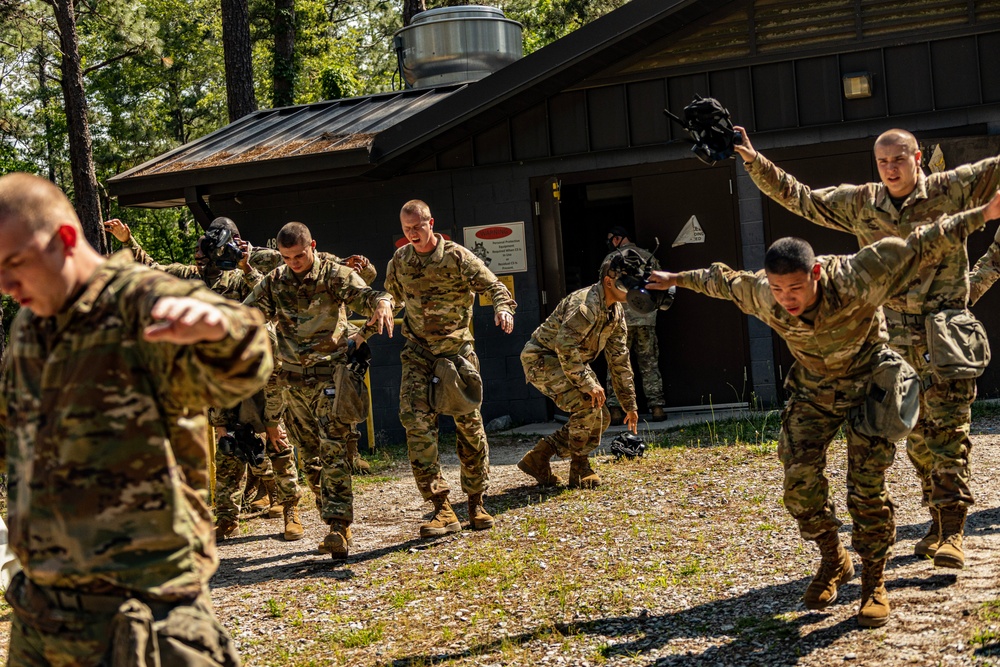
<point>710,128</point>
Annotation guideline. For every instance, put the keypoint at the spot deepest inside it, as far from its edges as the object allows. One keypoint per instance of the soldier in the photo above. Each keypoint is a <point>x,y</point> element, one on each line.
<point>116,545</point>
<point>308,299</point>
<point>278,470</point>
<point>437,281</point>
<point>939,445</point>
<point>641,339</point>
<point>828,311</point>
<point>556,360</point>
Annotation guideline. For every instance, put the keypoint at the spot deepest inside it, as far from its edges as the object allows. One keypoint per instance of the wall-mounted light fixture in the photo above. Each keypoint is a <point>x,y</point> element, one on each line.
<point>857,85</point>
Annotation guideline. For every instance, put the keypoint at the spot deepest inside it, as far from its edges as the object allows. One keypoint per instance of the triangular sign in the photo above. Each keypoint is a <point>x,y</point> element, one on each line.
<point>692,233</point>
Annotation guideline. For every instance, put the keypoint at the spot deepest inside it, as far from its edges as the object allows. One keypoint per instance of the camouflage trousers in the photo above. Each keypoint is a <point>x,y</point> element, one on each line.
<point>183,635</point>
<point>939,446</point>
<point>231,479</point>
<point>322,442</point>
<point>809,423</point>
<point>645,349</point>
<point>582,433</point>
<point>421,424</point>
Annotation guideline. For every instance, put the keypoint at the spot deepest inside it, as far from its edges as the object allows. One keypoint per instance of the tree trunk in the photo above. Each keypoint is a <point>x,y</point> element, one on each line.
<point>81,158</point>
<point>43,94</point>
<point>285,69</point>
<point>240,95</point>
<point>411,8</point>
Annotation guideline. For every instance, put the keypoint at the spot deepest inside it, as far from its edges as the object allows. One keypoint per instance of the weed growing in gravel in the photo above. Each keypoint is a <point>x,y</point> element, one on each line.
<point>275,608</point>
<point>988,635</point>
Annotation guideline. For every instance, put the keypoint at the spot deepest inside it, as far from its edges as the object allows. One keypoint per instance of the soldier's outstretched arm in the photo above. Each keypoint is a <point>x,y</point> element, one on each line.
<point>834,207</point>
<point>484,281</point>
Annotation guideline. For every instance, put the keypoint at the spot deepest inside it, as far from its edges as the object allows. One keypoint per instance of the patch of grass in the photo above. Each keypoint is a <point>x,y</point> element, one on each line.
<point>359,638</point>
<point>987,636</point>
<point>755,428</point>
<point>275,608</point>
<point>400,598</point>
<point>986,409</point>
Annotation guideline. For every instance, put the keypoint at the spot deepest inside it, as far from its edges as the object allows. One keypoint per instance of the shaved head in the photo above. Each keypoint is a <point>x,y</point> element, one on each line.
<point>897,137</point>
<point>418,208</point>
<point>35,202</point>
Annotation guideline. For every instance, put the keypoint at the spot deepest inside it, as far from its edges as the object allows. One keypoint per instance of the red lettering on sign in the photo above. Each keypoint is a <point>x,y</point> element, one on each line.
<point>494,233</point>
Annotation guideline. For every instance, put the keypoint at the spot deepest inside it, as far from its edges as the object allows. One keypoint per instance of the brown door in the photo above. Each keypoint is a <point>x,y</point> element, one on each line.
<point>704,356</point>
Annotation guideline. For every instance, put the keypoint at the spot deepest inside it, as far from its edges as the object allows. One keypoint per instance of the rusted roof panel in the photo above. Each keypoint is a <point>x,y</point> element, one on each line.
<point>324,127</point>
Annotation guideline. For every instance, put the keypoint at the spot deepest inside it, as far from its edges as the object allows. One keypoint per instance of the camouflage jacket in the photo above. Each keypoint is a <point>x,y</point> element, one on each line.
<point>849,326</point>
<point>267,260</point>
<point>577,330</point>
<point>99,498</point>
<point>867,212</point>
<point>634,318</point>
<point>438,291</point>
<point>235,284</point>
<point>310,312</point>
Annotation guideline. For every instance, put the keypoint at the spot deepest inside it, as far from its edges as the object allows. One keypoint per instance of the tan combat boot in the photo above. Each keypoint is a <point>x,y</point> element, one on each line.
<point>293,524</point>
<point>835,569</point>
<point>536,464</point>
<point>266,499</point>
<point>478,518</point>
<point>928,544</point>
<point>357,464</point>
<point>617,415</point>
<point>874,611</point>
<point>658,414</point>
<point>338,541</point>
<point>444,520</point>
<point>949,552</point>
<point>581,475</point>
<point>225,527</point>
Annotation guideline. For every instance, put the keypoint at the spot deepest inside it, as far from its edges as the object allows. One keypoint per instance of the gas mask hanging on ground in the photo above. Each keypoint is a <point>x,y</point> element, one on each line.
<point>710,128</point>
<point>632,274</point>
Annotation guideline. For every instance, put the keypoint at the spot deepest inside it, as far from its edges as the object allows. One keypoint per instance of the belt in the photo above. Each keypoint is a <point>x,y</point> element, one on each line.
<point>68,599</point>
<point>319,369</point>
<point>906,319</point>
<point>464,351</point>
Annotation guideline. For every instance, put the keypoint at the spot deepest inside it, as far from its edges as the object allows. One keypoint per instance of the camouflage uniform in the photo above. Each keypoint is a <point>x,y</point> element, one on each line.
<point>266,260</point>
<point>438,291</point>
<point>92,524</point>
<point>230,472</point>
<point>642,343</point>
<point>556,361</point>
<point>310,313</point>
<point>835,349</point>
<point>939,446</point>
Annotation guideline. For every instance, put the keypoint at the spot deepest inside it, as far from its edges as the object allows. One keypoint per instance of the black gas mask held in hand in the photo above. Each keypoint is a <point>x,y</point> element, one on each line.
<point>220,249</point>
<point>710,128</point>
<point>632,274</point>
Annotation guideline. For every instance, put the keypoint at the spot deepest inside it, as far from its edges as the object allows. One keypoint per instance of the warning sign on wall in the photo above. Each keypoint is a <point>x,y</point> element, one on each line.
<point>692,233</point>
<point>501,247</point>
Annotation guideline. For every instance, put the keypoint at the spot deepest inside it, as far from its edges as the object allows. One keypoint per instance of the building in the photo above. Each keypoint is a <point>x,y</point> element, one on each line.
<point>572,139</point>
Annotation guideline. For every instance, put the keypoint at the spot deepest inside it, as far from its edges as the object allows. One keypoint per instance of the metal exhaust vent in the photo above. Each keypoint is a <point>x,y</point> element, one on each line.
<point>456,45</point>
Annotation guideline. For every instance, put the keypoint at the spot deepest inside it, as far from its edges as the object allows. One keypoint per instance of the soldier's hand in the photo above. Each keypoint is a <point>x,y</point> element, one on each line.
<point>185,320</point>
<point>505,321</point>
<point>632,421</point>
<point>118,229</point>
<point>744,148</point>
<point>278,438</point>
<point>597,397</point>
<point>245,248</point>
<point>661,280</point>
<point>992,210</point>
<point>357,262</point>
<point>382,319</point>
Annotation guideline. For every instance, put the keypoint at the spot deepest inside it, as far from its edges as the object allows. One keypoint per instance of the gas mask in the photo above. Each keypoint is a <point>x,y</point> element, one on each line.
<point>632,274</point>
<point>708,124</point>
<point>220,249</point>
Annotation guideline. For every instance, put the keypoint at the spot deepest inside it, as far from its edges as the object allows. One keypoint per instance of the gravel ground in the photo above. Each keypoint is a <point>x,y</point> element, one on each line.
<point>685,557</point>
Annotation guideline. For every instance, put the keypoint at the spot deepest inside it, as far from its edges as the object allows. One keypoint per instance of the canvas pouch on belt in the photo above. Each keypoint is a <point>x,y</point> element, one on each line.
<point>892,400</point>
<point>350,401</point>
<point>456,387</point>
<point>957,345</point>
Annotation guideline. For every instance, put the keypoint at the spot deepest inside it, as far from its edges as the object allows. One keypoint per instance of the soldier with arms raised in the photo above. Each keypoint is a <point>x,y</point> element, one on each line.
<point>939,445</point>
<point>828,310</point>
